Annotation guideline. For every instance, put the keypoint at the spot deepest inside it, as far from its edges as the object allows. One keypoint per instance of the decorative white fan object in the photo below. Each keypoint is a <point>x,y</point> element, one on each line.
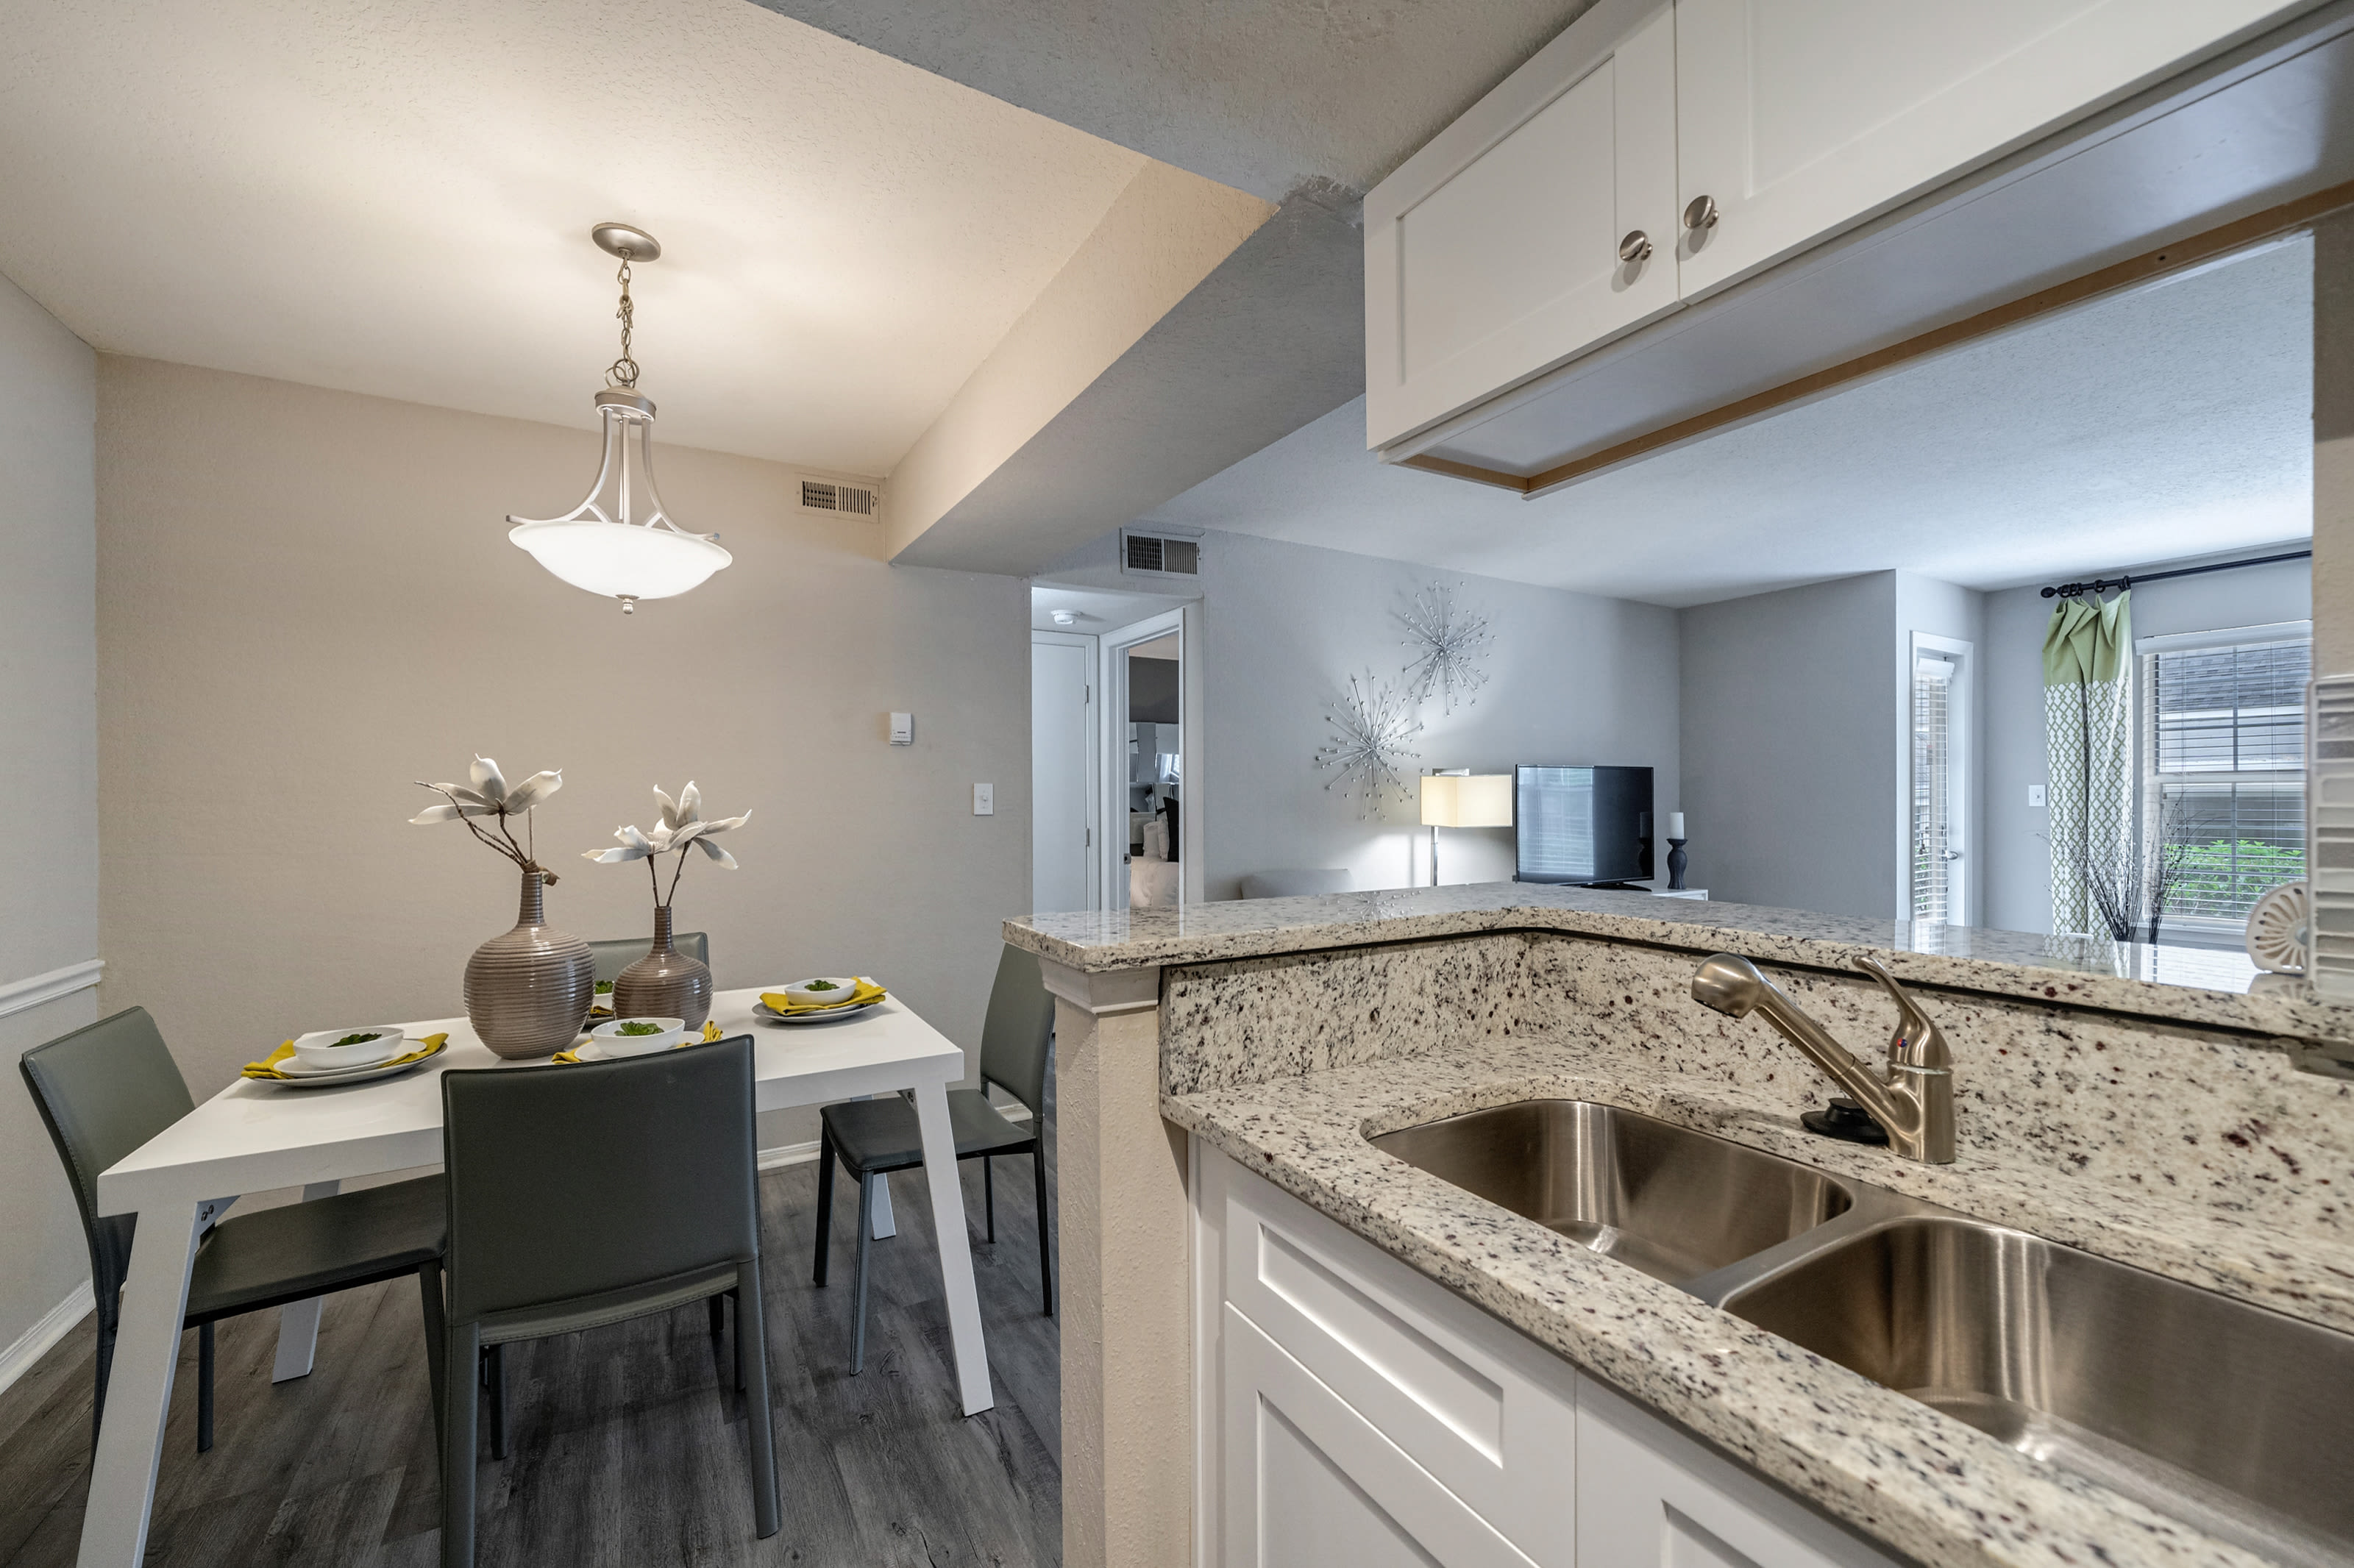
<point>2276,929</point>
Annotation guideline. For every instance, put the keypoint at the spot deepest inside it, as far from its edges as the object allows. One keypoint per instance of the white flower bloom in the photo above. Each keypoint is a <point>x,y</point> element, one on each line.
<point>489,794</point>
<point>681,825</point>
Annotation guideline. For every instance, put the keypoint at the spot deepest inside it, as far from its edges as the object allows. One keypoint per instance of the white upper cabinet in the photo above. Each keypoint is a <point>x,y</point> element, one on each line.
<point>1799,118</point>
<point>1494,253</point>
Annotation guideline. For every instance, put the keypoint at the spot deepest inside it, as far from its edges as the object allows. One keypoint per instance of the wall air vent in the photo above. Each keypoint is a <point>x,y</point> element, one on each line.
<point>1160,555</point>
<point>851,500</point>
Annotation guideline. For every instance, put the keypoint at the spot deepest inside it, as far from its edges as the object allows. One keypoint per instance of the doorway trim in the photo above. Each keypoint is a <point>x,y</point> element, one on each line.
<point>1112,764</point>
<point>1962,730</point>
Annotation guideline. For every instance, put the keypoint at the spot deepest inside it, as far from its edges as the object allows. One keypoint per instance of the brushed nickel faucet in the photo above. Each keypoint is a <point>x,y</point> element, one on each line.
<point>1914,1102</point>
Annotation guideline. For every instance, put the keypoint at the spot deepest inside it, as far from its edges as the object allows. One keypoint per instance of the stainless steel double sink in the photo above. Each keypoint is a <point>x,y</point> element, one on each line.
<point>2234,1419</point>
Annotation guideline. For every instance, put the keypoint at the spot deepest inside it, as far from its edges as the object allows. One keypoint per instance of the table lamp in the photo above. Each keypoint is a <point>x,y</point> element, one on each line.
<point>1464,800</point>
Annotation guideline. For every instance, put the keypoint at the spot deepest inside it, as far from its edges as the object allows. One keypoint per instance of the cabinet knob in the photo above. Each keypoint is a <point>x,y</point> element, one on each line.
<point>1701,213</point>
<point>1636,247</point>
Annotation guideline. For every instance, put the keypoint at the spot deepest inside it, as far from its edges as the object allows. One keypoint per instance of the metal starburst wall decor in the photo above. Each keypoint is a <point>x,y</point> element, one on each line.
<point>1372,724</point>
<point>1449,645</point>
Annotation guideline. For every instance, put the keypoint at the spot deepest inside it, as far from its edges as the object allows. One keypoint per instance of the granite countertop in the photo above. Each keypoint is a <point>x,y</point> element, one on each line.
<point>1925,1485</point>
<point>2187,986</point>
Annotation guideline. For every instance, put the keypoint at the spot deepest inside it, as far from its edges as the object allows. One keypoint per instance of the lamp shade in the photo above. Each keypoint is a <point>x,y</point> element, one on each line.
<point>1467,800</point>
<point>620,559</point>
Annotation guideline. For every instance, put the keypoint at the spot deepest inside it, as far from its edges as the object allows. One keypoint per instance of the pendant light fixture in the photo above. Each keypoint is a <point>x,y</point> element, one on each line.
<point>619,541</point>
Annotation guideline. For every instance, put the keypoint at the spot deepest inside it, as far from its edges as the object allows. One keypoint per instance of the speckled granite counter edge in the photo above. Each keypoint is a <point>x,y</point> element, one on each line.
<point>1922,1484</point>
<point>2063,970</point>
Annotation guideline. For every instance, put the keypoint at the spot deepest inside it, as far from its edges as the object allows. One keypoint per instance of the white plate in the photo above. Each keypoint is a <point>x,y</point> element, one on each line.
<point>301,1077</point>
<point>318,1052</point>
<point>767,1014</point>
<point>594,1051</point>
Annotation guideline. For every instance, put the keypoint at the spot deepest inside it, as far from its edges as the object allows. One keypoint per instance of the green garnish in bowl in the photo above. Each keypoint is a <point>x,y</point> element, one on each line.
<point>604,987</point>
<point>358,1039</point>
<point>638,1029</point>
<point>821,985</point>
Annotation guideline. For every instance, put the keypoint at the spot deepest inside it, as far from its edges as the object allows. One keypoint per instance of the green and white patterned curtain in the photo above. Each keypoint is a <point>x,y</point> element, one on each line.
<point>2088,726</point>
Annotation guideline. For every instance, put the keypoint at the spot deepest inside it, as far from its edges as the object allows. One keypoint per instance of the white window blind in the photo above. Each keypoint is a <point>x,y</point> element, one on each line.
<point>2224,782</point>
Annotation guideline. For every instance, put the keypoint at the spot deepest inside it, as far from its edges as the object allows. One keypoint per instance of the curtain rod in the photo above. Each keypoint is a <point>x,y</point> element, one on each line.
<point>2102,585</point>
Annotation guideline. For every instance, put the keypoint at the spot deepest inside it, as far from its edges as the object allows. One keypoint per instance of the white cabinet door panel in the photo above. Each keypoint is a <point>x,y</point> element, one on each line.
<point>1465,1398</point>
<point>1649,1496</point>
<point>1310,1484</point>
<point>1801,117</point>
<point>1492,254</point>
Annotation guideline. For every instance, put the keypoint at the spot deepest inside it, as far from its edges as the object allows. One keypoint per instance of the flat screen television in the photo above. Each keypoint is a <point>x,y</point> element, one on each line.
<point>1583,825</point>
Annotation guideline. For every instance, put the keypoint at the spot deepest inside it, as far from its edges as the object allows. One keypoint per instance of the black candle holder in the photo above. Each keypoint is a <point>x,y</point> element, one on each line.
<point>1676,864</point>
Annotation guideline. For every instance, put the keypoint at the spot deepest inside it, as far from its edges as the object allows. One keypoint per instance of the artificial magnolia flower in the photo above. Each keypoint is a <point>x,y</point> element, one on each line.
<point>680,827</point>
<point>490,795</point>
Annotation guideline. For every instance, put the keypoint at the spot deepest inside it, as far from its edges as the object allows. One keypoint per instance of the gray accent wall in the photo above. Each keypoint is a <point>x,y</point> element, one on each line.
<point>48,777</point>
<point>1796,718</point>
<point>1573,678</point>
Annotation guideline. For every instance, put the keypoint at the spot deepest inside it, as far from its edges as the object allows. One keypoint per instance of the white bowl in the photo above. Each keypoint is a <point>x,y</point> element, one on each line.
<point>612,1042</point>
<point>603,999</point>
<point>318,1049</point>
<point>846,987</point>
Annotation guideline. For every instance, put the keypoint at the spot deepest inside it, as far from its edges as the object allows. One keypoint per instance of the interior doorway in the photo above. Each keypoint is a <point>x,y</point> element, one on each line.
<point>1151,762</point>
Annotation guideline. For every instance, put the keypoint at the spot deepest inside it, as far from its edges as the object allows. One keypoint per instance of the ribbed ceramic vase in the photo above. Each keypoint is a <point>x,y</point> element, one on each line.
<point>528,991</point>
<point>665,984</point>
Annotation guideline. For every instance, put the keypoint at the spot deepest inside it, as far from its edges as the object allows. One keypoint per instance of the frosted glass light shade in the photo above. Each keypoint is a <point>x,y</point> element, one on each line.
<point>620,542</point>
<point>1467,800</point>
<point>622,560</point>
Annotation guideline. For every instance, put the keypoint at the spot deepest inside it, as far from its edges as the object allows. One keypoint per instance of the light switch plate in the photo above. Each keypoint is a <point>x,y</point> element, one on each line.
<point>2035,795</point>
<point>984,799</point>
<point>903,729</point>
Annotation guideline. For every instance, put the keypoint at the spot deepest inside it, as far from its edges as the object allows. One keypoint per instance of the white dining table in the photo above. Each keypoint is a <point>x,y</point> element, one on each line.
<point>257,1136</point>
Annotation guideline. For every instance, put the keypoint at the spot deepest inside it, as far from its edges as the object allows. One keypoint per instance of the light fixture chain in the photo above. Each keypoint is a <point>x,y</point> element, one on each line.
<point>623,372</point>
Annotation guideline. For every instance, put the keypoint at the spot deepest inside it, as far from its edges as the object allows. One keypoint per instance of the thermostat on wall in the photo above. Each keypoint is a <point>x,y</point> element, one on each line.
<point>903,729</point>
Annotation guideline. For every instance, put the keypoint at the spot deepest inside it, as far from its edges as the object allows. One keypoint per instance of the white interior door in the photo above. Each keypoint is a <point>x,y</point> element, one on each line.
<point>1062,772</point>
<point>1801,117</point>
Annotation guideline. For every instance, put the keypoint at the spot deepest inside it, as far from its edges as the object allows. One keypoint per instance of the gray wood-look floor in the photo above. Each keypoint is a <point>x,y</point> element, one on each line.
<point>627,1446</point>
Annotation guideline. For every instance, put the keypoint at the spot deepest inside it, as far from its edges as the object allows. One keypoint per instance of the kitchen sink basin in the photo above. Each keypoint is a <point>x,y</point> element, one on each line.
<point>2230,1417</point>
<point>1664,1199</point>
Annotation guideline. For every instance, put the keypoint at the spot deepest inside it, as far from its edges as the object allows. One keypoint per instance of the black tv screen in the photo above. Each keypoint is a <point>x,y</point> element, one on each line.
<point>1582,824</point>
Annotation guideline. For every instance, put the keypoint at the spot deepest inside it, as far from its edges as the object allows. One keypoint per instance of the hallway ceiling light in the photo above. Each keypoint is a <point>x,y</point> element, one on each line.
<point>614,543</point>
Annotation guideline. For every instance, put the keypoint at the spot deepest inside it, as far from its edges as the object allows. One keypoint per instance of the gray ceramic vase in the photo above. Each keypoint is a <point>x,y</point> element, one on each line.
<point>665,984</point>
<point>528,991</point>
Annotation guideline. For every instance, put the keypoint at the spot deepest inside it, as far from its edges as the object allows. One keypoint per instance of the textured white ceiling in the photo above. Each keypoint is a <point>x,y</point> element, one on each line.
<point>2168,423</point>
<point>1096,611</point>
<point>396,199</point>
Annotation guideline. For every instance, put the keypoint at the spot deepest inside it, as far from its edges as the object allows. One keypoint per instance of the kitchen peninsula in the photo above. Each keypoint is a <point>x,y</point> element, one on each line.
<point>1244,1052</point>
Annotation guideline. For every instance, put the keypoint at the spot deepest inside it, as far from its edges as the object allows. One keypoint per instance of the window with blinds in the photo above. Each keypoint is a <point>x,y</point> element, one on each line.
<point>2225,783</point>
<point>1936,791</point>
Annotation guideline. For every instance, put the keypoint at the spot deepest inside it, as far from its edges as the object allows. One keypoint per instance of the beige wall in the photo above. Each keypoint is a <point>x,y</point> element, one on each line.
<point>48,773</point>
<point>308,600</point>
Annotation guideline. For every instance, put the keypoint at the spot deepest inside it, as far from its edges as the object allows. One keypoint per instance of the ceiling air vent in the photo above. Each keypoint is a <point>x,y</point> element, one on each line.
<point>1158,555</point>
<point>825,495</point>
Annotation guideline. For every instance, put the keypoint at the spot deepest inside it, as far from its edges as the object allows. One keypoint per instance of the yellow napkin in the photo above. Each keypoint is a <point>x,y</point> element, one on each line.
<point>710,1032</point>
<point>267,1066</point>
<point>866,990</point>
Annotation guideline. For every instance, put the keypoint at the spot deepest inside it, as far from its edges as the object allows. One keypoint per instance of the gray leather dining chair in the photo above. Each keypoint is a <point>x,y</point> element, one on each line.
<point>585,1195</point>
<point>612,955</point>
<point>874,1138</point>
<point>106,1088</point>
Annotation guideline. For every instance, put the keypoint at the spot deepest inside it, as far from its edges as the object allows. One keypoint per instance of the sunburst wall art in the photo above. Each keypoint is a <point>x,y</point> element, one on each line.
<point>1449,648</point>
<point>1372,724</point>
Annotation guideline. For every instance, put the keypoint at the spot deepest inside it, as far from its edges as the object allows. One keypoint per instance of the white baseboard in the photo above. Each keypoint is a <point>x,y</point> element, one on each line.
<point>785,1154</point>
<point>35,1342</point>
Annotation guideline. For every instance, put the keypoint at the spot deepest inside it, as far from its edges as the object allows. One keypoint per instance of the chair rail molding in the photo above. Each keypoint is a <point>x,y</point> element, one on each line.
<point>19,996</point>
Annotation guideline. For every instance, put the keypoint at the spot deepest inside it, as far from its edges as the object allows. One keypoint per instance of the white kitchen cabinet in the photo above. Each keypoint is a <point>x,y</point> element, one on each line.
<point>1799,119</point>
<point>1353,1414</point>
<point>1493,253</point>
